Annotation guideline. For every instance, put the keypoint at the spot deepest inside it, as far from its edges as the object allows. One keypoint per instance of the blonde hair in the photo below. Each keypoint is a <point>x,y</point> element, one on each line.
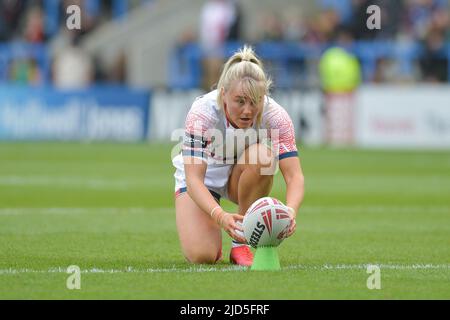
<point>246,67</point>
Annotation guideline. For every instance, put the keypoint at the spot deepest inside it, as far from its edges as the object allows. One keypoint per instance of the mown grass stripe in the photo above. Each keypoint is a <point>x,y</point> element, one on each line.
<point>304,209</point>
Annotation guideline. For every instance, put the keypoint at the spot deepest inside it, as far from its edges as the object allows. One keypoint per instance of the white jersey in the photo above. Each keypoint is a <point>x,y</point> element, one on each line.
<point>209,136</point>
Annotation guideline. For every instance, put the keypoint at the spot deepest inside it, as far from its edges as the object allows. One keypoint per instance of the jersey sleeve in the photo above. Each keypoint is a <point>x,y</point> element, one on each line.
<point>200,121</point>
<point>281,132</point>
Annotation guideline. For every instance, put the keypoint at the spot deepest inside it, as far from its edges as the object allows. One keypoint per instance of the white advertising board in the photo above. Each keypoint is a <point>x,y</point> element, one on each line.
<point>169,110</point>
<point>403,117</point>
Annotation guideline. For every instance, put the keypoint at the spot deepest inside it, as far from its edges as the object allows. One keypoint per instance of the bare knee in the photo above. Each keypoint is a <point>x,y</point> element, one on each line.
<point>206,257</point>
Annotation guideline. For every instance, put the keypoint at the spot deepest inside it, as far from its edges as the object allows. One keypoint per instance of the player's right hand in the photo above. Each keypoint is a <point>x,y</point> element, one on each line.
<point>228,221</point>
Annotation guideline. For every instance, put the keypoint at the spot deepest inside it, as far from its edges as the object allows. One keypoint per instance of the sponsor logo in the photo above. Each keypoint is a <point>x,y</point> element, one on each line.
<point>257,233</point>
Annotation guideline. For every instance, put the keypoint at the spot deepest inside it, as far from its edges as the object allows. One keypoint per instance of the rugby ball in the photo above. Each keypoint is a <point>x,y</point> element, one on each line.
<point>266,223</point>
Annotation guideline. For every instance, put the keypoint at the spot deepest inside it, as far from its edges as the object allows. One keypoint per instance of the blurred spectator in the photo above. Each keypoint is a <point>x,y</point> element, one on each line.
<point>25,71</point>
<point>327,23</point>
<point>294,29</point>
<point>386,70</point>
<point>235,31</point>
<point>392,16</point>
<point>419,15</point>
<point>340,71</point>
<point>217,20</point>
<point>10,12</point>
<point>312,32</point>
<point>34,25</point>
<point>343,8</point>
<point>343,37</point>
<point>118,72</point>
<point>430,22</point>
<point>434,62</point>
<point>73,67</point>
<point>271,27</point>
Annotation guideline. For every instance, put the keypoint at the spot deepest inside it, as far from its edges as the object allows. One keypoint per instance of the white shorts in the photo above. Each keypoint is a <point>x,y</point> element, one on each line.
<point>216,178</point>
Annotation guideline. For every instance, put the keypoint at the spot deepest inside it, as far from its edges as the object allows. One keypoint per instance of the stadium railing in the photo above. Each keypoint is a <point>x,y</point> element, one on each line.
<point>287,59</point>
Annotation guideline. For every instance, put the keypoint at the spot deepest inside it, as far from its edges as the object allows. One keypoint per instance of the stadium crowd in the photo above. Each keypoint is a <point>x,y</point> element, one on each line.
<point>41,23</point>
<point>426,22</point>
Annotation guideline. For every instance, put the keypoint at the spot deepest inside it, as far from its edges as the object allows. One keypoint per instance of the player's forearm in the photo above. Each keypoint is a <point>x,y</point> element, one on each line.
<point>295,190</point>
<point>201,195</point>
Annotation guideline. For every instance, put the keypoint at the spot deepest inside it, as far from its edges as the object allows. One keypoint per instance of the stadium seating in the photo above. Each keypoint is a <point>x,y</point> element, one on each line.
<point>185,64</point>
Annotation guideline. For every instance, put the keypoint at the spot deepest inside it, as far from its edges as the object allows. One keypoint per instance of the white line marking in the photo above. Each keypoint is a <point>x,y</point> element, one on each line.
<point>416,266</point>
<point>201,269</point>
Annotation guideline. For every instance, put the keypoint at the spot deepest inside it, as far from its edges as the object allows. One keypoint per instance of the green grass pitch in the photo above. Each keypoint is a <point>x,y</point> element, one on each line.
<point>108,208</point>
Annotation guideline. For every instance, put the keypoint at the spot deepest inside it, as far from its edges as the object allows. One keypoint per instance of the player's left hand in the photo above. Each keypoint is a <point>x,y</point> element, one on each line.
<point>293,225</point>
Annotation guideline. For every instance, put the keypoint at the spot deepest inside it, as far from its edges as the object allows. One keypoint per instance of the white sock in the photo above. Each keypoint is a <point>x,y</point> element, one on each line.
<point>234,243</point>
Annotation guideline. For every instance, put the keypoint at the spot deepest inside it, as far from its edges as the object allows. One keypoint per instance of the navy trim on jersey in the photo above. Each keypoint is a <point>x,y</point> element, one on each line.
<point>288,155</point>
<point>215,195</point>
<point>192,153</point>
<point>182,190</point>
<point>195,142</point>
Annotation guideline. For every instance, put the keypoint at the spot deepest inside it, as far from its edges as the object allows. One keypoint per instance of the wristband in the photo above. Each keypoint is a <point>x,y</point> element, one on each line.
<point>213,210</point>
<point>220,220</point>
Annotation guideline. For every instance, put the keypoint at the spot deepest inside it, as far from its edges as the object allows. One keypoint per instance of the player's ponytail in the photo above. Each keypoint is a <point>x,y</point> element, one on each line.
<point>246,67</point>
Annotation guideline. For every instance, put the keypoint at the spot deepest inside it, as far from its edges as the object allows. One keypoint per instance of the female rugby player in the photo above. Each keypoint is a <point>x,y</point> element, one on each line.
<point>214,162</point>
